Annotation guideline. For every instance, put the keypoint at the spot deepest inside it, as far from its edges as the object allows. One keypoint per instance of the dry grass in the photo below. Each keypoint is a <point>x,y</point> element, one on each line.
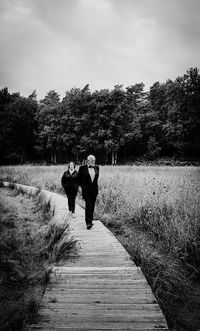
<point>162,201</point>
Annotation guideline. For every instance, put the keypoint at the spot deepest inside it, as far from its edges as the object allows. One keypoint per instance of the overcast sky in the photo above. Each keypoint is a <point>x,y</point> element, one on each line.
<point>59,44</point>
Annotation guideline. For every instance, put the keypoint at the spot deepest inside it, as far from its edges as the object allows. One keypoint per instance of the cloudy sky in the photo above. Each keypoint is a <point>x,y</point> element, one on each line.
<point>59,44</point>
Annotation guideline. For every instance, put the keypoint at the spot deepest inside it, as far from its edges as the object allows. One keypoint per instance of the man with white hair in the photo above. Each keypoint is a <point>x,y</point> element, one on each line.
<point>88,175</point>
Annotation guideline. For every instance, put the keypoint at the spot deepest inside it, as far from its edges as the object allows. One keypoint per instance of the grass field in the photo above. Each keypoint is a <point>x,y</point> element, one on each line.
<point>155,213</point>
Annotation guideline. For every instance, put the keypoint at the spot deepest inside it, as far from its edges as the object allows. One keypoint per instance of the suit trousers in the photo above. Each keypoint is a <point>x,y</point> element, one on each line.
<point>89,208</point>
<point>71,201</point>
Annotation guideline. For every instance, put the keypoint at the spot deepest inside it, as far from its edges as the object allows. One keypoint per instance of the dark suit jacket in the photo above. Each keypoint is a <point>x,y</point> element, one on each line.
<point>89,187</point>
<point>70,182</point>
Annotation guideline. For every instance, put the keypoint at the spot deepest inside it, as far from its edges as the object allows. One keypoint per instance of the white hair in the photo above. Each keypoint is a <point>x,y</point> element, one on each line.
<point>91,157</point>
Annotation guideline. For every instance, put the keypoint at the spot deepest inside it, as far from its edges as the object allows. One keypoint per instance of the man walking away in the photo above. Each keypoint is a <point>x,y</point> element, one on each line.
<point>88,175</point>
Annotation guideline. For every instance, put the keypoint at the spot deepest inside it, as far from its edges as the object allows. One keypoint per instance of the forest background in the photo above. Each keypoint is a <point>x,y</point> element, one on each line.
<point>122,125</point>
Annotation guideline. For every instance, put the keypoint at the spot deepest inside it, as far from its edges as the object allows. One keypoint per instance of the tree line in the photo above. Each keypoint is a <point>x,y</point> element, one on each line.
<point>118,125</point>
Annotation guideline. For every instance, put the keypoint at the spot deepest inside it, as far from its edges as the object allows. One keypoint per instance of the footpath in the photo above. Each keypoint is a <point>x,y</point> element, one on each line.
<point>102,289</point>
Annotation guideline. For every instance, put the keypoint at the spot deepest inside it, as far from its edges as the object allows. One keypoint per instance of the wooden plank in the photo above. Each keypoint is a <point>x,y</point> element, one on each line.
<point>126,328</point>
<point>98,281</point>
<point>95,263</point>
<point>100,277</point>
<point>99,328</point>
<point>60,278</point>
<point>108,280</point>
<point>100,325</point>
<point>65,319</point>
<point>100,292</point>
<point>98,269</point>
<point>102,306</point>
<point>103,314</point>
<point>98,287</point>
<point>84,299</point>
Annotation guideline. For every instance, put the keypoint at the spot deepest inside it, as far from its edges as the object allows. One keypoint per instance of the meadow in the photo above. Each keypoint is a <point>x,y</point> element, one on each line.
<point>155,213</point>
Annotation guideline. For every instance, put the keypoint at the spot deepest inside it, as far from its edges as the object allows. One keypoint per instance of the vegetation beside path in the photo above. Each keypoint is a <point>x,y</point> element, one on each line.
<point>29,247</point>
<point>155,214</point>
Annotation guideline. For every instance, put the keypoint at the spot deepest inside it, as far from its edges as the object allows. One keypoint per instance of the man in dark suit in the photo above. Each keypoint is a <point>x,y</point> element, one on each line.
<point>88,175</point>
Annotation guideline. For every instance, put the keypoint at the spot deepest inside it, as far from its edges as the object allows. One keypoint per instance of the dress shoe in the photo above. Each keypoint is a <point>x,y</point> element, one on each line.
<point>89,226</point>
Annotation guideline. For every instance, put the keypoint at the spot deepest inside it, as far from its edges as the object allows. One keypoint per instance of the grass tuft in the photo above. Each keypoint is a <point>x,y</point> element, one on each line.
<point>60,246</point>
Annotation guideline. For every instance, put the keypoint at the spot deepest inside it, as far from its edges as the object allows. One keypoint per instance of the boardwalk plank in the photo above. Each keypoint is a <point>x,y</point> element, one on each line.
<point>102,314</point>
<point>99,306</point>
<point>101,325</point>
<point>67,319</point>
<point>125,328</point>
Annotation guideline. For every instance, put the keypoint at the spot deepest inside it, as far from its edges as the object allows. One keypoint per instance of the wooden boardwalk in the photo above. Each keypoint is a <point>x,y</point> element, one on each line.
<point>102,289</point>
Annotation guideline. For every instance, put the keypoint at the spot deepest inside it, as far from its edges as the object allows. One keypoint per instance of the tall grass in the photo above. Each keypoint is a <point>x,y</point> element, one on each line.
<point>29,248</point>
<point>165,203</point>
<point>44,177</point>
<point>58,248</point>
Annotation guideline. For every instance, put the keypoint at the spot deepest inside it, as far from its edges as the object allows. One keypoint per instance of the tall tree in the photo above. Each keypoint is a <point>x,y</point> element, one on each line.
<point>75,121</point>
<point>18,129</point>
<point>120,129</point>
<point>48,125</point>
<point>182,129</point>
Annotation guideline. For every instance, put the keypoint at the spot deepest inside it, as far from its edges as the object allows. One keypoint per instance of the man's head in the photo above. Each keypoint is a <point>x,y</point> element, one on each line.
<point>91,160</point>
